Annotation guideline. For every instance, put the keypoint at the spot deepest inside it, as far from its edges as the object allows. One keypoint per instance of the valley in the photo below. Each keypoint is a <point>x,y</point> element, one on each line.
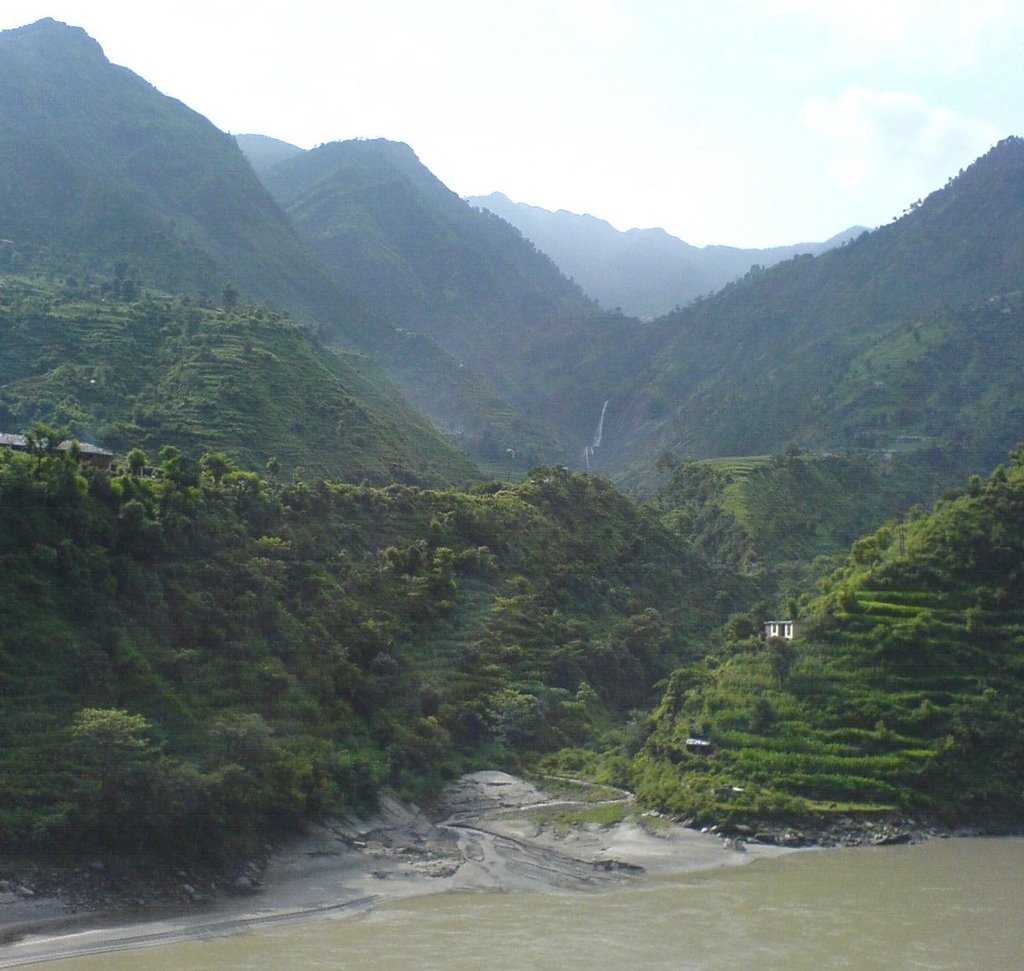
<point>393,499</point>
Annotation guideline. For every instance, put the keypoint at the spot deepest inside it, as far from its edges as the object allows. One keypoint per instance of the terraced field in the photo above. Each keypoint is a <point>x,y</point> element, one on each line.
<point>903,690</point>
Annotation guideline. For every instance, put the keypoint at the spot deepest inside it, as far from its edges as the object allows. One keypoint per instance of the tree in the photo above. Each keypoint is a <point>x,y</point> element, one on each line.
<point>136,460</point>
<point>177,467</point>
<point>45,439</point>
<point>215,465</point>
<point>115,761</point>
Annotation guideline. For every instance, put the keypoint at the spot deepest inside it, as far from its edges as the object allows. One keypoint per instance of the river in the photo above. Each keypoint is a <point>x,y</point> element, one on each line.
<point>946,904</point>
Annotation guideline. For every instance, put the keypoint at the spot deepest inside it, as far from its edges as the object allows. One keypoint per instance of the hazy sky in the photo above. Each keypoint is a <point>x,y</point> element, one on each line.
<point>748,122</point>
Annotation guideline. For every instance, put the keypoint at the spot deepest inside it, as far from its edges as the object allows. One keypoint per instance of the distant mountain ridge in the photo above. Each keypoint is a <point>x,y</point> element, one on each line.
<point>264,152</point>
<point>645,273</point>
<point>909,334</point>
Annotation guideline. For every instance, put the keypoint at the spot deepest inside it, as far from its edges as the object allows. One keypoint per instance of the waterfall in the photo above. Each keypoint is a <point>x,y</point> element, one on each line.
<point>588,450</point>
<point>599,434</point>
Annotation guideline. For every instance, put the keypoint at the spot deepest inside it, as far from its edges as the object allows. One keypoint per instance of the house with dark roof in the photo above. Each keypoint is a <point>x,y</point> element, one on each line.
<point>92,454</point>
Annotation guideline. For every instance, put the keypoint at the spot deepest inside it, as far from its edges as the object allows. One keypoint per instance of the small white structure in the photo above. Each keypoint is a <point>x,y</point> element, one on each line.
<point>785,629</point>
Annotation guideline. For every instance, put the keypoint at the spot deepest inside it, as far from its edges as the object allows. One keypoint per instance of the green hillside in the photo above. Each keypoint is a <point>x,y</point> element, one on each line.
<point>157,371</point>
<point>910,332</point>
<point>901,692</point>
<point>99,166</point>
<point>105,179</point>
<point>192,659</point>
<point>769,513</point>
<point>389,231</point>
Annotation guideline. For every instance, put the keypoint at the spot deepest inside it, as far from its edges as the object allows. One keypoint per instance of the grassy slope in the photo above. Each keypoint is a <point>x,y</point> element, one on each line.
<point>242,381</point>
<point>903,690</point>
<point>909,330</point>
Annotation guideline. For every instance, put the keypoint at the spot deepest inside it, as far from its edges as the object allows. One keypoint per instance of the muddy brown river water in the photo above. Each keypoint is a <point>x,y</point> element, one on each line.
<point>949,904</point>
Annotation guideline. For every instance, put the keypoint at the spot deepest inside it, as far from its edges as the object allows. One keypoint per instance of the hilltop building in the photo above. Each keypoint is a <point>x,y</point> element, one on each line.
<point>786,629</point>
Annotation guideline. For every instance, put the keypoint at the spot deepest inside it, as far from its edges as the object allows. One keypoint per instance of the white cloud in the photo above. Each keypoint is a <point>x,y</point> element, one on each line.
<point>874,133</point>
<point>603,24</point>
<point>939,33</point>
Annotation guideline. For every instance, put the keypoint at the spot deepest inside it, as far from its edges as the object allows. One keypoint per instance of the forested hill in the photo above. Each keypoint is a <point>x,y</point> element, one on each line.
<point>196,658</point>
<point>124,369</point>
<point>910,332</point>
<point>389,231</point>
<point>99,167</point>
<point>901,692</point>
<point>111,192</point>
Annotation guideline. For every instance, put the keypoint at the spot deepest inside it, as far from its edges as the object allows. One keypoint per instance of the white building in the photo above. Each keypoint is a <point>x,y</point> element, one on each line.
<point>778,628</point>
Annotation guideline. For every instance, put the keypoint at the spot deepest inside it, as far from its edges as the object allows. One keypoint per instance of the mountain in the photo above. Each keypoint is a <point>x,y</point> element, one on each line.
<point>393,234</point>
<point>904,340</point>
<point>408,246</point>
<point>99,166</point>
<point>891,343</point>
<point>146,373</point>
<point>901,691</point>
<point>123,193</point>
<point>264,152</point>
<point>646,273</point>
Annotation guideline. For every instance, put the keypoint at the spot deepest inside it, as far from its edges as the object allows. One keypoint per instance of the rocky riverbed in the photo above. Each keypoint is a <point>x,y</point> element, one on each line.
<point>491,832</point>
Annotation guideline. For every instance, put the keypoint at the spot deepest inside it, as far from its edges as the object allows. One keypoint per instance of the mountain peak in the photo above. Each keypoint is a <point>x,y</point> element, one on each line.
<point>1012,145</point>
<point>383,148</point>
<point>264,152</point>
<point>52,35</point>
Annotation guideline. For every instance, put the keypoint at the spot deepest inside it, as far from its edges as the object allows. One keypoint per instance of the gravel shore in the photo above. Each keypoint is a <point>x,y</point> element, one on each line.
<point>493,833</point>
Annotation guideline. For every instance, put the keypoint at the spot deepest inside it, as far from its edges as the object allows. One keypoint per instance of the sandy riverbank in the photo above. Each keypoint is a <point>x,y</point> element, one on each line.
<point>494,833</point>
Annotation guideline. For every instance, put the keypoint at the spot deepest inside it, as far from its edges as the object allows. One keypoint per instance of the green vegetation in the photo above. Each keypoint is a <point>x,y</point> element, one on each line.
<point>752,513</point>
<point>902,691</point>
<point>566,821</point>
<point>155,371</point>
<point>905,340</point>
<point>778,519</point>
<point>388,231</point>
<point>195,657</point>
